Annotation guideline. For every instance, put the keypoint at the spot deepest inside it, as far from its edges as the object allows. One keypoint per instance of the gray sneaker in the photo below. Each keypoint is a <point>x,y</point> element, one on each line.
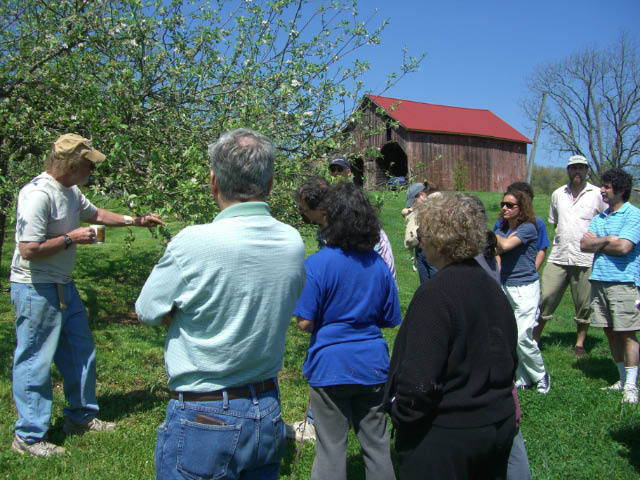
<point>95,425</point>
<point>616,387</point>
<point>38,449</point>
<point>544,384</point>
<point>301,431</point>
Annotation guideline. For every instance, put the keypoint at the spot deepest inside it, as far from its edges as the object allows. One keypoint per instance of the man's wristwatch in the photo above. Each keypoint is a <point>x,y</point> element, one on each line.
<point>67,241</point>
<point>128,220</point>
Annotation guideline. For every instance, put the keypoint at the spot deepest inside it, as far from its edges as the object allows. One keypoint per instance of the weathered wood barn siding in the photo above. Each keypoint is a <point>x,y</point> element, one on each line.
<point>490,164</point>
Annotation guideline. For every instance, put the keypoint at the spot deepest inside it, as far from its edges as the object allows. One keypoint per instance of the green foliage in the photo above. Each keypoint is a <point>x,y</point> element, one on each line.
<point>460,175</point>
<point>547,179</point>
<point>153,82</point>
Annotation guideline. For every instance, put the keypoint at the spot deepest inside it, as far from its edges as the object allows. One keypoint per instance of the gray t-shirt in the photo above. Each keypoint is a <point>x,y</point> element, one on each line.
<point>47,209</point>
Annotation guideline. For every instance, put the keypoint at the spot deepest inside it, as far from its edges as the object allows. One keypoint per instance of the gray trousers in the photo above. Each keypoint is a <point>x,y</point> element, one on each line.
<point>518,467</point>
<point>335,409</point>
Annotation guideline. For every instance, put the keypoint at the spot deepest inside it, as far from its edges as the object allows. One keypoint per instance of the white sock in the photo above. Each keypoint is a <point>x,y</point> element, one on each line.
<point>632,375</point>
<point>621,371</point>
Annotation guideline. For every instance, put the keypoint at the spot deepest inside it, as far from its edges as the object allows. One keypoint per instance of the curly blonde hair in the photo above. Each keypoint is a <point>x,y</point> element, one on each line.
<point>454,225</point>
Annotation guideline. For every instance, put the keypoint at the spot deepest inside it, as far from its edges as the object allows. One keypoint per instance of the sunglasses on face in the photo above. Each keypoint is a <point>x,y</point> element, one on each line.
<point>336,168</point>
<point>509,205</point>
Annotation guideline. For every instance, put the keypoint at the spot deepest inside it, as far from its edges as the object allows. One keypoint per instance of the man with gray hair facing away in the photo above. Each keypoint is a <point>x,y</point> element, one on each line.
<point>226,290</point>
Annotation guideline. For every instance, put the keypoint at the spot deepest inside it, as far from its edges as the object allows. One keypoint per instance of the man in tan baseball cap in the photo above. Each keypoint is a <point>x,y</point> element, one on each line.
<point>51,321</point>
<point>69,143</point>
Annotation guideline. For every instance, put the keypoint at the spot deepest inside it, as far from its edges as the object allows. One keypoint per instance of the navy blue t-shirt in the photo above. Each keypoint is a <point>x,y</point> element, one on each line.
<point>348,296</point>
<point>518,266</point>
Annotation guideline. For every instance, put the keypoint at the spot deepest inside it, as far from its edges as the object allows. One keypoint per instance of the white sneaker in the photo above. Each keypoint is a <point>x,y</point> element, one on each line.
<point>630,394</point>
<point>301,431</point>
<point>94,425</point>
<point>544,384</point>
<point>38,449</point>
<point>616,387</point>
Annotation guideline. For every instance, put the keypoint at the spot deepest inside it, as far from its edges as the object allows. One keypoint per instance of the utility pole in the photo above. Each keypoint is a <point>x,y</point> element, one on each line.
<point>535,139</point>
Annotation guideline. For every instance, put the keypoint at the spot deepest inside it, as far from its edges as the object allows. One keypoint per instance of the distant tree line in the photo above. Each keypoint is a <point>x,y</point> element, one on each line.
<point>547,179</point>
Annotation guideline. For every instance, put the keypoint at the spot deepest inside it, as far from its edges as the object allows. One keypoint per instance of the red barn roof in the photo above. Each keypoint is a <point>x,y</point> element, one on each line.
<point>427,117</point>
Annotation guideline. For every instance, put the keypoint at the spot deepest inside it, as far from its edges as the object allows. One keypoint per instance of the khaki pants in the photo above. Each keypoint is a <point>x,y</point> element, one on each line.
<point>555,279</point>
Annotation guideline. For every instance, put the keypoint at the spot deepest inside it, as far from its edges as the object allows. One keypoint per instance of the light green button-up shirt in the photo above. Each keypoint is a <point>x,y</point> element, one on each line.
<point>232,286</point>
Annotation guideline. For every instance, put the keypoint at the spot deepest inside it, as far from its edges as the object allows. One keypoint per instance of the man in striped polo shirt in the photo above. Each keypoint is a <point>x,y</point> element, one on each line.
<point>613,237</point>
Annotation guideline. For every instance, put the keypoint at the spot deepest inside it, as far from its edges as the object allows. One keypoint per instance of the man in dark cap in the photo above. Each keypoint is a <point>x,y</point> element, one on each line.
<point>340,167</point>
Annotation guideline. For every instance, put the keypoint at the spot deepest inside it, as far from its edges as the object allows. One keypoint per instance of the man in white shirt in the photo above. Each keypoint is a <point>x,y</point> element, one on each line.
<point>572,208</point>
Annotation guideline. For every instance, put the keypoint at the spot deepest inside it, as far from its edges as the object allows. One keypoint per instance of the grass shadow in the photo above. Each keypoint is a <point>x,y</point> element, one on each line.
<point>289,462</point>
<point>567,339</point>
<point>115,407</point>
<point>7,346</point>
<point>123,279</point>
<point>629,437</point>
<point>597,368</point>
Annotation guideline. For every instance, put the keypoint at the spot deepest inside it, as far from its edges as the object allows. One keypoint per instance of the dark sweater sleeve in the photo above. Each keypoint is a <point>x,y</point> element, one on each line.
<point>419,360</point>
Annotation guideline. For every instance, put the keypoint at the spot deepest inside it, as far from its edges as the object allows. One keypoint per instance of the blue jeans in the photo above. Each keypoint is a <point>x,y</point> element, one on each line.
<point>46,332</point>
<point>425,269</point>
<point>242,438</point>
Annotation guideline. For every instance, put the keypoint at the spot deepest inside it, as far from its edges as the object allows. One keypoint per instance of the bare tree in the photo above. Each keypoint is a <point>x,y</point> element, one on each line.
<point>593,104</point>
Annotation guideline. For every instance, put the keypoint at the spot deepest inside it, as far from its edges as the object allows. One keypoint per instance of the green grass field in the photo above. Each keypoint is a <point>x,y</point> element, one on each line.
<point>577,431</point>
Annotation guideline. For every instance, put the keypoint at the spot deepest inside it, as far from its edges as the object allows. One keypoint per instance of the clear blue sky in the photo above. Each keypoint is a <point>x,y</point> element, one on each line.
<point>479,53</point>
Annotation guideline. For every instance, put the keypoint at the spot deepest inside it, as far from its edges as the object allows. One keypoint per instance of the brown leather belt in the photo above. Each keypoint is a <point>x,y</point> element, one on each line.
<point>232,392</point>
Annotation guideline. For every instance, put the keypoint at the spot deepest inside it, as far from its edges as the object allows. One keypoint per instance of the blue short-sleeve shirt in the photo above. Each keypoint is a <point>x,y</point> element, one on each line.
<point>542,239</point>
<point>518,266</point>
<point>349,296</point>
<point>624,223</point>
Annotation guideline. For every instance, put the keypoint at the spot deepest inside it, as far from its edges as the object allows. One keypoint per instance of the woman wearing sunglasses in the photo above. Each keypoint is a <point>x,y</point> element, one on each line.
<point>517,247</point>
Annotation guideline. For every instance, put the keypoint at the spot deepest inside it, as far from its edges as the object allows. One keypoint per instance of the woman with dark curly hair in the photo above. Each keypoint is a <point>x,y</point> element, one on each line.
<point>449,390</point>
<point>517,247</point>
<point>348,297</point>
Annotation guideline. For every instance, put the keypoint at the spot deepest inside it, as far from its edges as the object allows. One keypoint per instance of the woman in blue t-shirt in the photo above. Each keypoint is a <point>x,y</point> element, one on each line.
<point>517,246</point>
<point>349,295</point>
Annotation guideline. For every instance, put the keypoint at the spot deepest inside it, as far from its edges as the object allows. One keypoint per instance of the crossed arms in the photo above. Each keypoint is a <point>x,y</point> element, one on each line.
<point>609,244</point>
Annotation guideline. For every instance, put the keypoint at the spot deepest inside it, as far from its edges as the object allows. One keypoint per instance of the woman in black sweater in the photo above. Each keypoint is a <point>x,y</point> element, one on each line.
<point>451,374</point>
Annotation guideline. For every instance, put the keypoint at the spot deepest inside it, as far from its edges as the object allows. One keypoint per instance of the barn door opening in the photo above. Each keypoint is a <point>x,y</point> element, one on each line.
<point>393,163</point>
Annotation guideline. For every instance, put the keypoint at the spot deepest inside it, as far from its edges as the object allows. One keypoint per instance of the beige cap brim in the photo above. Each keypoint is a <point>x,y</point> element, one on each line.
<point>94,155</point>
